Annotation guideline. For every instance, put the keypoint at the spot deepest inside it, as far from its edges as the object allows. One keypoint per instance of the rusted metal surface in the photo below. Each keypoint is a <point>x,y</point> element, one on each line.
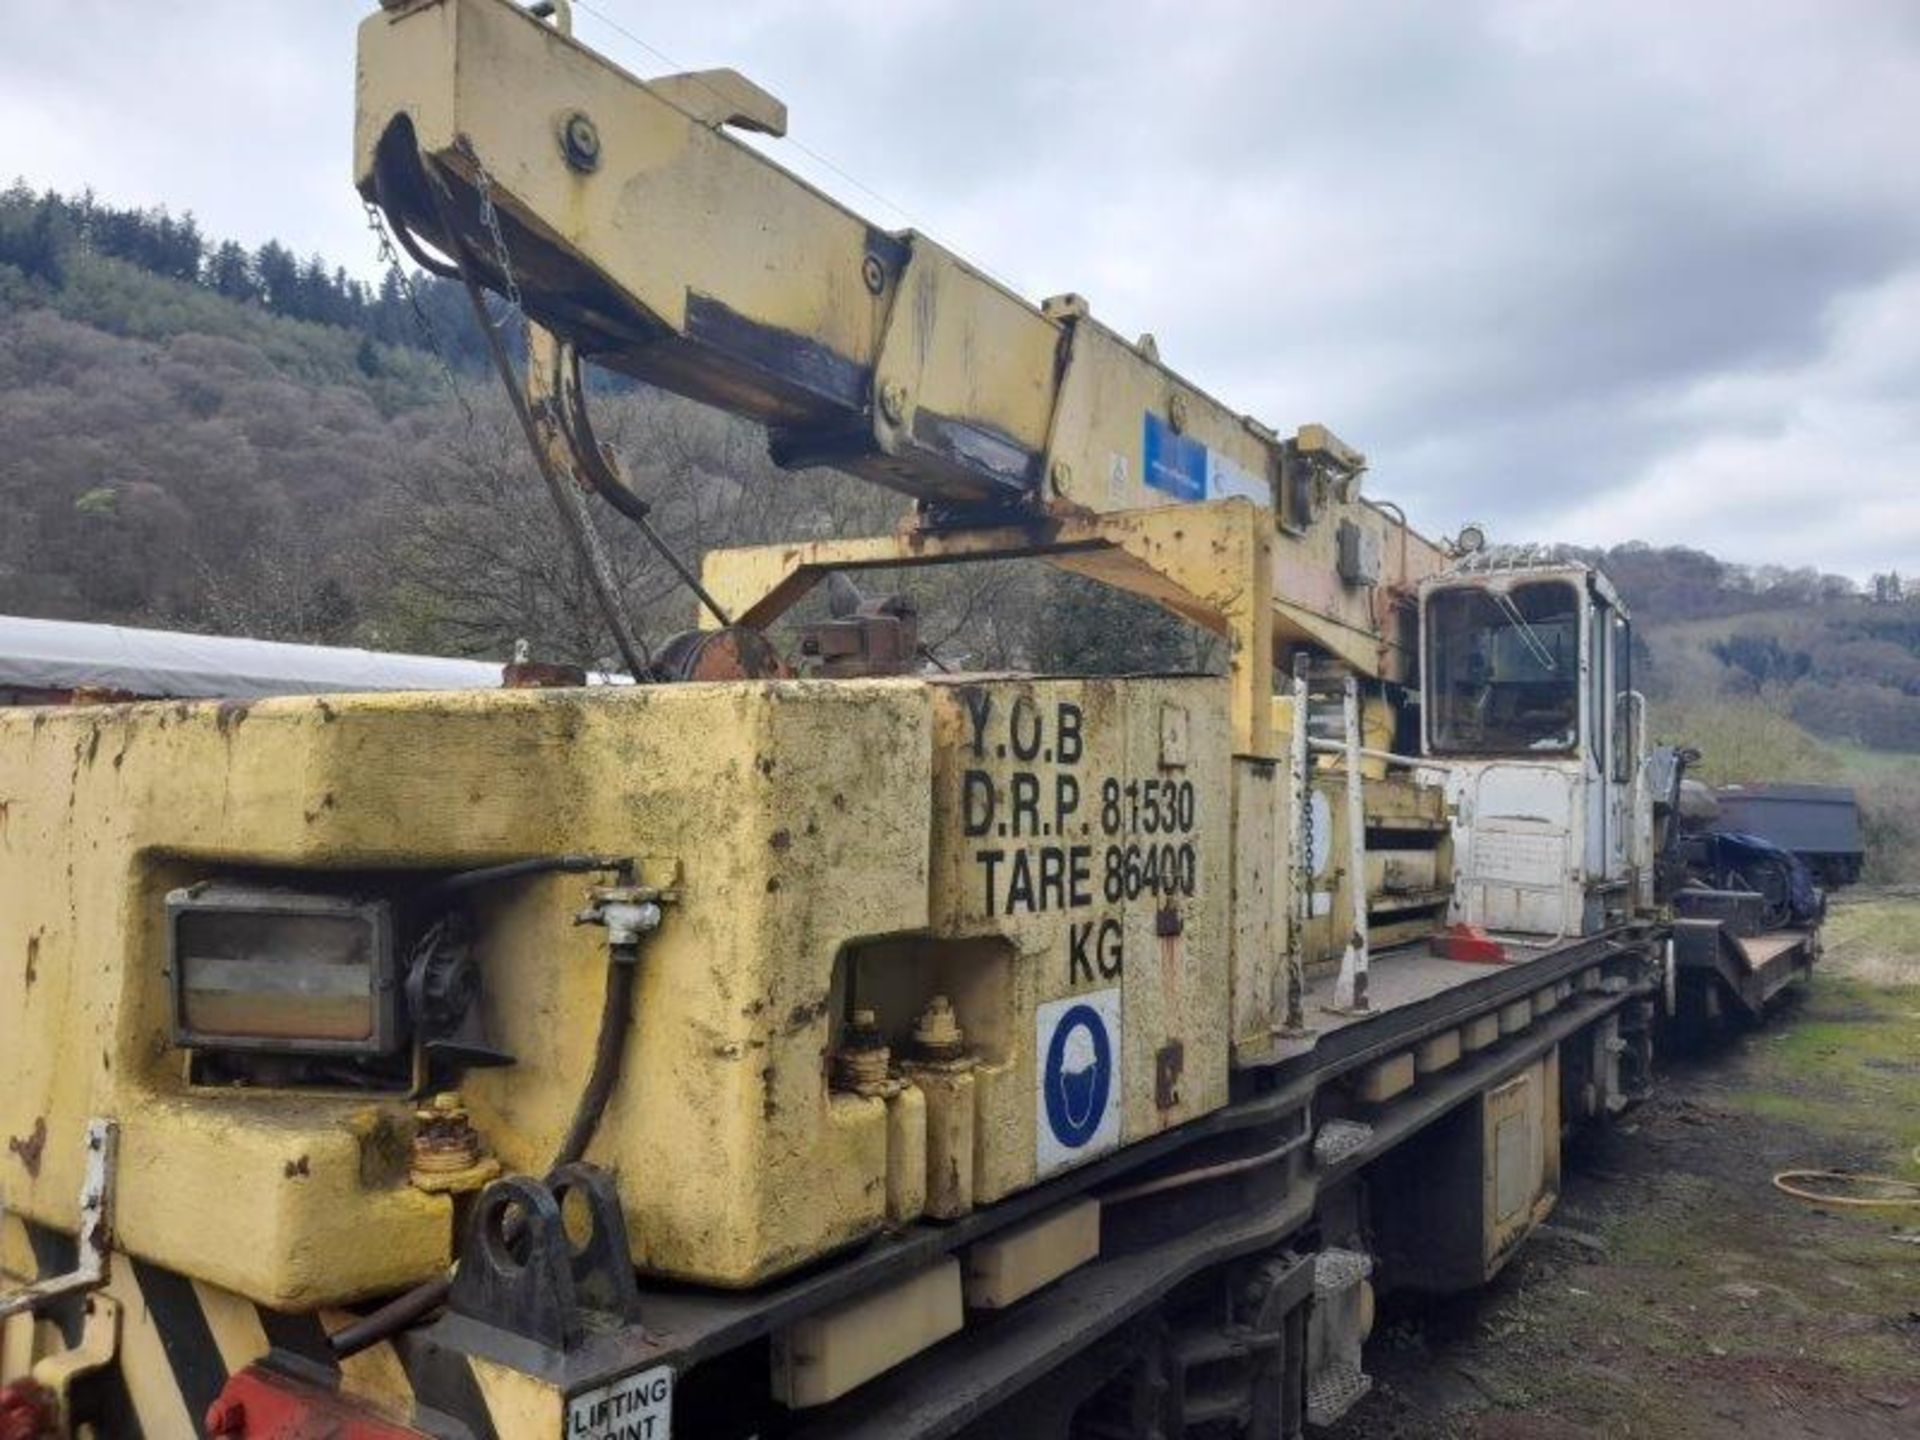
<point>32,1146</point>
<point>868,636</point>
<point>540,675</point>
<point>448,1154</point>
<point>28,1411</point>
<point>735,653</point>
<point>95,1229</point>
<point>1168,1062</point>
<point>862,1065</point>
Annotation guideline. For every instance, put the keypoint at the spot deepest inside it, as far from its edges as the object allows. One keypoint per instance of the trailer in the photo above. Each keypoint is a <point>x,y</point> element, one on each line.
<point>1819,823</point>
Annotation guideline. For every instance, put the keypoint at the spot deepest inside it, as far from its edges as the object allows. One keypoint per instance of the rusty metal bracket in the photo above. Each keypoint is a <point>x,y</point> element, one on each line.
<point>522,1272</point>
<point>601,1261</point>
<point>95,1229</point>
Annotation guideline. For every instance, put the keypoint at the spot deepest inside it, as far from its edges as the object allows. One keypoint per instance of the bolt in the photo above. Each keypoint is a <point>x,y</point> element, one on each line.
<point>874,274</point>
<point>937,1034</point>
<point>862,1062</point>
<point>893,401</point>
<point>444,1140</point>
<point>1061,476</point>
<point>1177,413</point>
<point>580,143</point>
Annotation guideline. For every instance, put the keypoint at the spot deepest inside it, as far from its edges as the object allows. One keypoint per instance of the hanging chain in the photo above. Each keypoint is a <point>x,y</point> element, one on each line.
<point>422,322</point>
<point>490,218</point>
<point>503,262</point>
<point>1306,830</point>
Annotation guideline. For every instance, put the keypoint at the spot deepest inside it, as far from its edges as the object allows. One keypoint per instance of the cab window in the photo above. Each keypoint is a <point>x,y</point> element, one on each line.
<point>1503,669</point>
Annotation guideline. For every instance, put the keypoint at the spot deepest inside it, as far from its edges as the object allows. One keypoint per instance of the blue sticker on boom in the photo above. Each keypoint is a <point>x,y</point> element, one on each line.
<point>1171,463</point>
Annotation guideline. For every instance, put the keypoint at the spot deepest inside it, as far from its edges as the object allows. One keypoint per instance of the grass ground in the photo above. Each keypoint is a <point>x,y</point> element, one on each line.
<point>1677,1292</point>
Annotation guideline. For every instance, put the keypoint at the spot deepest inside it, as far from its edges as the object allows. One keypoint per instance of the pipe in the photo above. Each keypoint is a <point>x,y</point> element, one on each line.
<point>391,1318</point>
<point>1350,989</point>
<point>1407,762</point>
<point>464,880</point>
<point>1298,813</point>
<point>1180,1179</point>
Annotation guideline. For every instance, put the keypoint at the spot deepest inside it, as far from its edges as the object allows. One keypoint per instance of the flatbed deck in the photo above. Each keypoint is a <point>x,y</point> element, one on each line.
<point>1412,991</point>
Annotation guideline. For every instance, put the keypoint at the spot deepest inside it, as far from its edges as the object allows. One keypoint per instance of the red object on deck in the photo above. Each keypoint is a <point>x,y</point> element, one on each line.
<point>258,1404</point>
<point>1468,942</point>
<point>28,1411</point>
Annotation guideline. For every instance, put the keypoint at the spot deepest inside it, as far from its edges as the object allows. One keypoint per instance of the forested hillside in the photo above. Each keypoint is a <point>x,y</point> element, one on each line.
<point>197,436</point>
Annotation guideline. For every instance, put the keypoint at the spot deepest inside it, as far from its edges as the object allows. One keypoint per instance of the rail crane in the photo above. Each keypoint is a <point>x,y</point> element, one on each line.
<point>860,1051</point>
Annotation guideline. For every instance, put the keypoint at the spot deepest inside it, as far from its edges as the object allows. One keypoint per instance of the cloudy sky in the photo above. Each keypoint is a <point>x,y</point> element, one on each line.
<point>1582,271</point>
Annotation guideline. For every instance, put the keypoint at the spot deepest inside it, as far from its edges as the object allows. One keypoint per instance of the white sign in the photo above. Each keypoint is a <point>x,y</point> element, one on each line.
<point>634,1407</point>
<point>1077,1062</point>
<point>1226,479</point>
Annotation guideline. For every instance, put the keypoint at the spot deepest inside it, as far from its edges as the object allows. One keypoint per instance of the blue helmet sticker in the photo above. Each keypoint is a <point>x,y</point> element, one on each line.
<point>1078,1052</point>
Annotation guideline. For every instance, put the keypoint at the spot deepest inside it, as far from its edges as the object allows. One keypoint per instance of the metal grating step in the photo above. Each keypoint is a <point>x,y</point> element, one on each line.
<point>1333,1392</point>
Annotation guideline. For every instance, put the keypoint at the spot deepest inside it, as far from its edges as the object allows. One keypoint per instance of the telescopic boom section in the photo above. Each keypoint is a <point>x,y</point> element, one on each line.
<point>631,224</point>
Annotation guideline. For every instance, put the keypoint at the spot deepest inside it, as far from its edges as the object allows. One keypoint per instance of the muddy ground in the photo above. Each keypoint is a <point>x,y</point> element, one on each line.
<point>1677,1293</point>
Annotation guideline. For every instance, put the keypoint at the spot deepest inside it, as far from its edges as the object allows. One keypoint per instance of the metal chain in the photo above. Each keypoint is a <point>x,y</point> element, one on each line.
<point>1306,832</point>
<point>564,490</point>
<point>422,322</point>
<point>490,218</point>
<point>503,261</point>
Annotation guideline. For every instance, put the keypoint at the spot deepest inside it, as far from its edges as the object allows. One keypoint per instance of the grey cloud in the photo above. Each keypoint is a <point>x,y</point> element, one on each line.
<point>1547,262</point>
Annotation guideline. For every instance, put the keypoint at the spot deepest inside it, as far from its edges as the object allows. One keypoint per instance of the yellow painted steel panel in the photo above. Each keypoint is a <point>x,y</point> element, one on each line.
<point>827,1354</point>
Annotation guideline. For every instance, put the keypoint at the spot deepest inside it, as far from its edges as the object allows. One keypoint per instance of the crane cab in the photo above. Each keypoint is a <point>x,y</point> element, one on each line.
<point>1527,704</point>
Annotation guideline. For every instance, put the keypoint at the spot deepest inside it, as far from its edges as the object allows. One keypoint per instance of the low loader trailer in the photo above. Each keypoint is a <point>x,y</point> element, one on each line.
<point>797,1043</point>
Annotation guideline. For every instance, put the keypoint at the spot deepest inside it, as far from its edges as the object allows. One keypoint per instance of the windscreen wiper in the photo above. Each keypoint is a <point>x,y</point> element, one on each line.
<point>1527,632</point>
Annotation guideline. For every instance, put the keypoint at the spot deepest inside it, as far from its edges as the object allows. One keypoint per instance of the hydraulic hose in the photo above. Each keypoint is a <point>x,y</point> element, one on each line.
<point>463,880</point>
<point>616,1021</point>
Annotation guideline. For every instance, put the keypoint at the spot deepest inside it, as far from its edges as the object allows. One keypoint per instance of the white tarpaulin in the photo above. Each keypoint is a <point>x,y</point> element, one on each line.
<point>68,655</point>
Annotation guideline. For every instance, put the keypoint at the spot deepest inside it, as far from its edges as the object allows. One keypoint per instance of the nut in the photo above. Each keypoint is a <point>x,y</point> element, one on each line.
<point>863,1063</point>
<point>893,401</point>
<point>444,1139</point>
<point>447,1153</point>
<point>580,142</point>
<point>937,1034</point>
<point>873,274</point>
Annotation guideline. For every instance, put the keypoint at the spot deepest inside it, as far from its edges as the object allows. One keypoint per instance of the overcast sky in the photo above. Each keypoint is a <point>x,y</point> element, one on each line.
<point>1583,271</point>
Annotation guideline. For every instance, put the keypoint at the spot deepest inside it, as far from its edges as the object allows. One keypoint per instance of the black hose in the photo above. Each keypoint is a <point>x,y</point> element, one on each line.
<point>464,880</point>
<point>391,1318</point>
<point>565,495</point>
<point>616,1020</point>
<point>590,461</point>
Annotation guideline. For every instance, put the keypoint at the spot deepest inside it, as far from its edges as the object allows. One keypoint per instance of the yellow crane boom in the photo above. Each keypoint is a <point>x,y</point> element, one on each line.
<point>627,221</point>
